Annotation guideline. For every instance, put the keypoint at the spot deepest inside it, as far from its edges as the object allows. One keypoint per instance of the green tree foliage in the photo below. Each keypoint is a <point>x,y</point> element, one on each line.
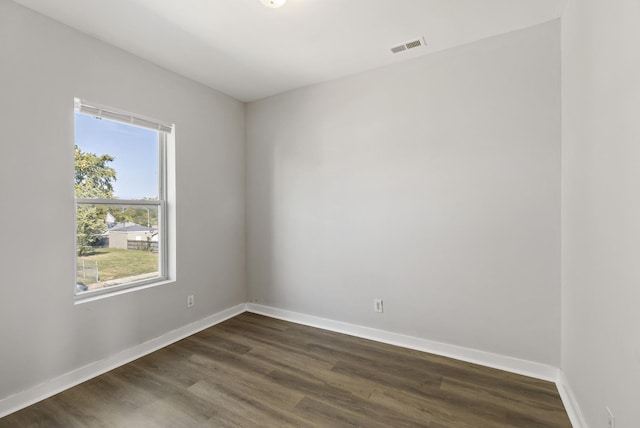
<point>93,179</point>
<point>90,226</point>
<point>143,216</point>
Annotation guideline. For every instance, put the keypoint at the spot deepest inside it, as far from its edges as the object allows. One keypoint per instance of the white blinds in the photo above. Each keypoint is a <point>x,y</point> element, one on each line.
<point>109,113</point>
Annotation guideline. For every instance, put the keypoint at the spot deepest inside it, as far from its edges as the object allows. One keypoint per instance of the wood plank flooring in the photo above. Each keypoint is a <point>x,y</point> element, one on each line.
<point>255,371</point>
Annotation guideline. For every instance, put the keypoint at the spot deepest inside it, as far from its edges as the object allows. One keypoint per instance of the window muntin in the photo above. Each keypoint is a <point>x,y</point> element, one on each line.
<point>120,200</point>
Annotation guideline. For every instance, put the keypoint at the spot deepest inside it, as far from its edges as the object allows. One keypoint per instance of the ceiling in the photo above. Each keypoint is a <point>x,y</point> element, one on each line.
<point>249,51</point>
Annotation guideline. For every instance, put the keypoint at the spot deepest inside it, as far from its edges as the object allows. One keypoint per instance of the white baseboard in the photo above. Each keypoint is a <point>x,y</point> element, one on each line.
<point>570,402</point>
<point>501,362</point>
<point>510,364</point>
<point>47,389</point>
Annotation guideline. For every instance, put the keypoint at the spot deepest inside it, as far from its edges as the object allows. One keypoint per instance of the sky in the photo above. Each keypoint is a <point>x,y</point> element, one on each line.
<point>135,151</point>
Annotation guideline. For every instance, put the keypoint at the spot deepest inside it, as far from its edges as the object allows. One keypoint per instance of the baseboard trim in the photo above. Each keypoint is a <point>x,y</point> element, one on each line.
<point>510,364</point>
<point>49,388</point>
<point>570,403</point>
<point>75,377</point>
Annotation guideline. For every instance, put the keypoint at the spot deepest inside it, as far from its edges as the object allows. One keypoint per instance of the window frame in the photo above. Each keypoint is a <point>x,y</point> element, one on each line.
<point>161,203</point>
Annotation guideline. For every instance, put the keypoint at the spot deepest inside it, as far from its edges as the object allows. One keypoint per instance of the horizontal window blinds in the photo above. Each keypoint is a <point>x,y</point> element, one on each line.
<point>95,110</point>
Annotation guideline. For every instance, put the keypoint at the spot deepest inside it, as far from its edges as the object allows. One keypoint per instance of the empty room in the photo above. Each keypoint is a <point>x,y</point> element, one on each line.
<point>320,213</point>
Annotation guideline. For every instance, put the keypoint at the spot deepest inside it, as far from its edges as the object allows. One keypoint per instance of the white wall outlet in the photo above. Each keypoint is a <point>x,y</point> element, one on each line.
<point>190,301</point>
<point>377,305</point>
<point>611,420</point>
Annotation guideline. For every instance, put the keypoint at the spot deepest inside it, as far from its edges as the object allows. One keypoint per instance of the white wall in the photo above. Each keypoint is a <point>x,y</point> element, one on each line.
<point>433,184</point>
<point>43,65</point>
<point>601,208</point>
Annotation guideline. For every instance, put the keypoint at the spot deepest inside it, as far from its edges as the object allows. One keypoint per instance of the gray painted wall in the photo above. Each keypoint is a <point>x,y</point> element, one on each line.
<point>433,184</point>
<point>601,208</point>
<point>43,65</point>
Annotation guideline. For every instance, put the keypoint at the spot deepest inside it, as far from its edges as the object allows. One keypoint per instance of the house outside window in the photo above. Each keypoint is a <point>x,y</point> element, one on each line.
<point>120,198</point>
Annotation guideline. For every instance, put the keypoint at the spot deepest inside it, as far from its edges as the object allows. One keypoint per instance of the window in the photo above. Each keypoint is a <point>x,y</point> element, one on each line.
<point>120,198</point>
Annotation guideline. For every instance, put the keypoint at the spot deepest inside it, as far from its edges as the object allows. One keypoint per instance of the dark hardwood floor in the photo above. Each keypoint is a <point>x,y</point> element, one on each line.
<point>254,371</point>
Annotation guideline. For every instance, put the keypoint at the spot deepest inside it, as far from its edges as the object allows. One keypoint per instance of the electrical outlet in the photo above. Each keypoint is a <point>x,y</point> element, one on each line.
<point>611,420</point>
<point>377,305</point>
<point>190,301</point>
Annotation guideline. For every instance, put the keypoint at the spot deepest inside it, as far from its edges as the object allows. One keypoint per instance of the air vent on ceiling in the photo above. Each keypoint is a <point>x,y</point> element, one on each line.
<point>417,43</point>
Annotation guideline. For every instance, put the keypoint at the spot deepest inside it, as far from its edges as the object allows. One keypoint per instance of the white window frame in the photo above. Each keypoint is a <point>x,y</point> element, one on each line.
<point>164,130</point>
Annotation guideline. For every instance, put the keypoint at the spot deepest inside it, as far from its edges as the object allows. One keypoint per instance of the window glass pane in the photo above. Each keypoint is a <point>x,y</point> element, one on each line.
<point>129,151</point>
<point>116,244</point>
<point>119,203</point>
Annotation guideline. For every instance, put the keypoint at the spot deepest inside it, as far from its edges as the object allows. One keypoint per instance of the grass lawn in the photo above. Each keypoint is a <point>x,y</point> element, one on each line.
<point>114,263</point>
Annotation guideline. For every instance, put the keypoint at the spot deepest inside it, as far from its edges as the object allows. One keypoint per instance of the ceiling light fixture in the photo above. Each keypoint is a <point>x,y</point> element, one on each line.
<point>273,3</point>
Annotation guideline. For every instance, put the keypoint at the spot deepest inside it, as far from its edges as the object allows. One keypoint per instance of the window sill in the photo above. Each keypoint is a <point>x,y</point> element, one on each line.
<point>93,296</point>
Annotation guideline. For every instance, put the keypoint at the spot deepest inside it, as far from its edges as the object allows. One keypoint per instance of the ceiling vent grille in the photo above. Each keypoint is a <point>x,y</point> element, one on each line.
<point>417,43</point>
